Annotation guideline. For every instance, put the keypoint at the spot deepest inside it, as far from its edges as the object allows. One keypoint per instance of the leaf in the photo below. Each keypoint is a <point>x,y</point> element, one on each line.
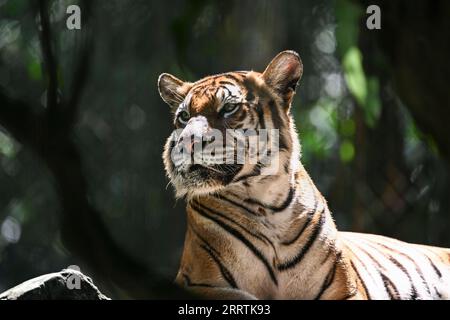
<point>347,151</point>
<point>34,70</point>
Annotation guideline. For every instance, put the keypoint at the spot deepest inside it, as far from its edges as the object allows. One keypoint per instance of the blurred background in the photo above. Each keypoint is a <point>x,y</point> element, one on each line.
<point>82,126</point>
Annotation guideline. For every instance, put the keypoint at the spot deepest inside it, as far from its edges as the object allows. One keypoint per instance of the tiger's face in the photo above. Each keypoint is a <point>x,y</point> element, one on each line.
<point>208,114</point>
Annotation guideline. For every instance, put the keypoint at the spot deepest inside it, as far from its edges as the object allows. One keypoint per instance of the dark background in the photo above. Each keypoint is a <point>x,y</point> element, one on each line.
<point>82,126</point>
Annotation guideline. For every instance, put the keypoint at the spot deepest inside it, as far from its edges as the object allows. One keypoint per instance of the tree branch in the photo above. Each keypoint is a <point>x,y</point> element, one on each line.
<point>17,118</point>
<point>49,58</point>
<point>83,230</point>
<point>83,67</point>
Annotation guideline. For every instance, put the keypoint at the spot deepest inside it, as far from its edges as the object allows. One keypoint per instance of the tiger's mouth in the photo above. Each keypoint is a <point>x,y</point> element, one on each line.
<point>197,179</point>
<point>202,173</point>
<point>201,168</point>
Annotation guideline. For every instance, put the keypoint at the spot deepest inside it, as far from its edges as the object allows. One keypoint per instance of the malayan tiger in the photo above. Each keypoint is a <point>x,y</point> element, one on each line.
<point>252,235</point>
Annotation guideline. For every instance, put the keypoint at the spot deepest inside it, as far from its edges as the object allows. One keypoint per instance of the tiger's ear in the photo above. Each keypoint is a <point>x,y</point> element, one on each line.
<point>172,90</point>
<point>283,73</point>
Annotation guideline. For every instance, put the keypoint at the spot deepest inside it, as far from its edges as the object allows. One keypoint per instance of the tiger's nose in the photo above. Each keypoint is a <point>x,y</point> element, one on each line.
<point>194,143</point>
<point>194,134</point>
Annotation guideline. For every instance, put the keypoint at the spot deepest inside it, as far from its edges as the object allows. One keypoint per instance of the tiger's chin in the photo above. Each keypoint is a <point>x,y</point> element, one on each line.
<point>199,190</point>
<point>196,182</point>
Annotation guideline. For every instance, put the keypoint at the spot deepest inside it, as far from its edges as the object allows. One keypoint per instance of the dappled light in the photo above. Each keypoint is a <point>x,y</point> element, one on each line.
<point>369,139</point>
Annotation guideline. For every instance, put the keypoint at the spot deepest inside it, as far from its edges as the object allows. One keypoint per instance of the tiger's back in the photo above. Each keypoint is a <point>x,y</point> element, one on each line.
<point>387,268</point>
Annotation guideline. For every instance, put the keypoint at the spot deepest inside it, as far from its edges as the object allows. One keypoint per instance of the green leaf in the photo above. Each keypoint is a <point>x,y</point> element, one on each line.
<point>347,151</point>
<point>15,7</point>
<point>354,75</point>
<point>364,90</point>
<point>348,15</point>
<point>34,70</point>
<point>7,147</point>
<point>347,128</point>
<point>372,106</point>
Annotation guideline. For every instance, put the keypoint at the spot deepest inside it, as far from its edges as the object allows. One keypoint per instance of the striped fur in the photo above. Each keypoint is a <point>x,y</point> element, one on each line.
<point>255,236</point>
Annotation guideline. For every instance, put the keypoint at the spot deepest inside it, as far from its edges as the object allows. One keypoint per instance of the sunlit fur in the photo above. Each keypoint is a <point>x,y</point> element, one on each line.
<point>254,236</point>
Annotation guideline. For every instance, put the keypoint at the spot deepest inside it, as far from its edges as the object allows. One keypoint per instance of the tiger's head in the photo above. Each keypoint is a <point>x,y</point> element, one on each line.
<point>242,101</point>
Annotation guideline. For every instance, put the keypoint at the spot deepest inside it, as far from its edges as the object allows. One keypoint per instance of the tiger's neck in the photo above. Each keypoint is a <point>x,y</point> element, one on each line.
<point>285,222</point>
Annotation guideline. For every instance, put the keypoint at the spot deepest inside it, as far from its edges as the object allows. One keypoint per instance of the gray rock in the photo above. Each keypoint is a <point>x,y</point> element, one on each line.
<point>67,284</point>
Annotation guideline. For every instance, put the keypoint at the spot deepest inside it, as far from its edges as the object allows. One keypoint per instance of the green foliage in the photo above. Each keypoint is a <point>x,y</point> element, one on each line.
<point>346,151</point>
<point>372,103</point>
<point>348,14</point>
<point>135,41</point>
<point>364,89</point>
<point>354,74</point>
<point>15,7</point>
<point>347,128</point>
<point>318,130</point>
<point>7,147</point>
<point>34,70</point>
<point>415,140</point>
<point>182,26</point>
<point>20,210</point>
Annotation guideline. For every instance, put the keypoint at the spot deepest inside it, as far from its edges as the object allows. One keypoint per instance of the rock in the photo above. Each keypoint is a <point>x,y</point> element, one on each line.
<point>67,284</point>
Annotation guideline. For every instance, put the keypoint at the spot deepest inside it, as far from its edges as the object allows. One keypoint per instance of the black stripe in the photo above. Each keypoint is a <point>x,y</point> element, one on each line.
<point>416,267</point>
<point>240,237</point>
<point>296,259</point>
<point>242,116</point>
<point>217,90</point>
<point>252,118</point>
<point>223,198</point>
<point>282,207</point>
<point>361,280</point>
<point>225,82</point>
<point>438,272</point>
<point>197,234</point>
<point>350,295</point>
<point>256,171</point>
<point>438,293</point>
<point>327,282</point>
<point>200,83</point>
<point>189,283</point>
<point>440,259</point>
<point>172,145</point>
<point>306,224</point>
<point>232,77</point>
<point>250,95</point>
<point>260,112</point>
<point>364,266</point>
<point>384,278</point>
<point>276,119</point>
<point>287,165</point>
<point>258,236</point>
<point>300,232</point>
<point>228,91</point>
<point>226,274</point>
<point>330,251</point>
<point>414,294</point>
<point>388,284</point>
<point>277,123</point>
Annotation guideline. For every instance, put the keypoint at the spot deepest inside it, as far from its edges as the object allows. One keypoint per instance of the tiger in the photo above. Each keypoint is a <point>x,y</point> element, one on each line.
<point>252,235</point>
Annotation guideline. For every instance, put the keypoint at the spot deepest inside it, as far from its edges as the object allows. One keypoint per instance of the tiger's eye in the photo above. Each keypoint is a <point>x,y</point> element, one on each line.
<point>229,109</point>
<point>183,117</point>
